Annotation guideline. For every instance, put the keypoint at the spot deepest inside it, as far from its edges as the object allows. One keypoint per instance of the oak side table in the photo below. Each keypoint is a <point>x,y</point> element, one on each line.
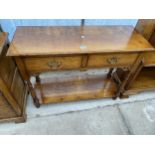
<point>38,50</point>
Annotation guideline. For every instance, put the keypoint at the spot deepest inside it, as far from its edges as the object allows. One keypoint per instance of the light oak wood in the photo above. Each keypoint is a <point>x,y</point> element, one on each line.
<point>149,59</point>
<point>42,64</point>
<point>40,49</point>
<point>51,63</point>
<point>8,116</point>
<point>75,88</point>
<point>144,82</point>
<point>111,60</point>
<point>3,38</point>
<point>130,75</point>
<point>143,78</point>
<point>30,41</point>
<point>13,91</point>
<point>146,27</point>
<point>5,109</point>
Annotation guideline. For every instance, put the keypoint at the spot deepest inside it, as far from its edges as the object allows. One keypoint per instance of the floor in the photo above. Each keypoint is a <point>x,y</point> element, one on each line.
<point>135,115</point>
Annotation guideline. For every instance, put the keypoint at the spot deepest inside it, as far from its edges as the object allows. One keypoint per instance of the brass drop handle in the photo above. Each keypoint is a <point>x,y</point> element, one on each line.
<point>112,60</point>
<point>54,64</point>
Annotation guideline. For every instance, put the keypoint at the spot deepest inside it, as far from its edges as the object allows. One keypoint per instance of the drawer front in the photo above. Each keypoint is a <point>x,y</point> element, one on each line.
<point>37,65</point>
<point>149,58</point>
<point>111,60</point>
<point>18,88</point>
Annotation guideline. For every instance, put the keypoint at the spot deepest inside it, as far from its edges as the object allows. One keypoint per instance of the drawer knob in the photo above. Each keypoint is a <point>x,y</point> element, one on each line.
<point>54,64</point>
<point>112,60</point>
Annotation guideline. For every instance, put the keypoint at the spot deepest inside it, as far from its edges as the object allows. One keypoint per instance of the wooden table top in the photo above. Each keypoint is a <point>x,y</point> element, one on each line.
<point>3,37</point>
<point>76,40</point>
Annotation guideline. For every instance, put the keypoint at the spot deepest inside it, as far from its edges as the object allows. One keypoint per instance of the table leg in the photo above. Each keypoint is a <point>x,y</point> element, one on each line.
<point>110,72</point>
<point>38,81</point>
<point>135,69</point>
<point>35,99</point>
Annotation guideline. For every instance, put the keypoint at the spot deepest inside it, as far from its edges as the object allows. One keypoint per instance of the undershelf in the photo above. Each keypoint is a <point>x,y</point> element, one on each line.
<point>61,89</point>
<point>144,82</point>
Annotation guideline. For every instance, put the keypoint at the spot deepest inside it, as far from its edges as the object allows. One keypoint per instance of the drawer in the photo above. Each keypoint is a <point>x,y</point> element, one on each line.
<point>18,88</point>
<point>111,60</point>
<point>149,58</point>
<point>42,64</point>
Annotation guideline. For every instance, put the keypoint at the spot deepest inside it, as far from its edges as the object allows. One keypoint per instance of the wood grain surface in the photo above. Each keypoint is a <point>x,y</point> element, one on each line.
<point>3,37</point>
<point>75,88</point>
<point>76,40</point>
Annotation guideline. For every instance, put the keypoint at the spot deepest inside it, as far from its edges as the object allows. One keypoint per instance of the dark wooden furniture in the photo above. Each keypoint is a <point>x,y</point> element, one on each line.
<point>13,91</point>
<point>43,49</point>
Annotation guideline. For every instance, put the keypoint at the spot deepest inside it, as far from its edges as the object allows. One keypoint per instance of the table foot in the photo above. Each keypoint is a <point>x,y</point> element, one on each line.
<point>124,96</point>
<point>36,103</point>
<point>110,72</point>
<point>114,98</point>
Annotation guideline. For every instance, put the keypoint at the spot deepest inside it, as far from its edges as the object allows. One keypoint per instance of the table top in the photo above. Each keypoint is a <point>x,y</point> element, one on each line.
<point>29,41</point>
<point>3,37</point>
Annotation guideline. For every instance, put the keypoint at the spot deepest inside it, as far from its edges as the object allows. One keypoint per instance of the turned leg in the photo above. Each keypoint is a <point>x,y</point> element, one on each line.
<point>38,82</point>
<point>110,72</point>
<point>133,73</point>
<point>38,79</point>
<point>35,99</point>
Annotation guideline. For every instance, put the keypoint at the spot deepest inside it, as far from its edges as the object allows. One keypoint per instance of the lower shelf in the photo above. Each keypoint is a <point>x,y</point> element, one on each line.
<point>52,90</point>
<point>144,82</point>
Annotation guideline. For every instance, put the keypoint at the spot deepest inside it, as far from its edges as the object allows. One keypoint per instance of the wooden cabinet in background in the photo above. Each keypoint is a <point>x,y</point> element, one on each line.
<point>144,78</point>
<point>147,28</point>
<point>13,91</point>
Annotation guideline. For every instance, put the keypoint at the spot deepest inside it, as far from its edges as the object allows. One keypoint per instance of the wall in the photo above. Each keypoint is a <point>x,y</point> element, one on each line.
<point>9,25</point>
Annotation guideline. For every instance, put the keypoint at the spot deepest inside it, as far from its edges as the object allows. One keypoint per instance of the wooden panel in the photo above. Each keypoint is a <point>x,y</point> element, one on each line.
<point>5,109</point>
<point>12,90</point>
<point>3,38</point>
<point>152,38</point>
<point>63,89</point>
<point>18,88</point>
<point>35,65</point>
<point>144,82</point>
<point>7,114</point>
<point>146,27</point>
<point>75,40</point>
<point>7,69</point>
<point>111,60</point>
<point>149,59</point>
